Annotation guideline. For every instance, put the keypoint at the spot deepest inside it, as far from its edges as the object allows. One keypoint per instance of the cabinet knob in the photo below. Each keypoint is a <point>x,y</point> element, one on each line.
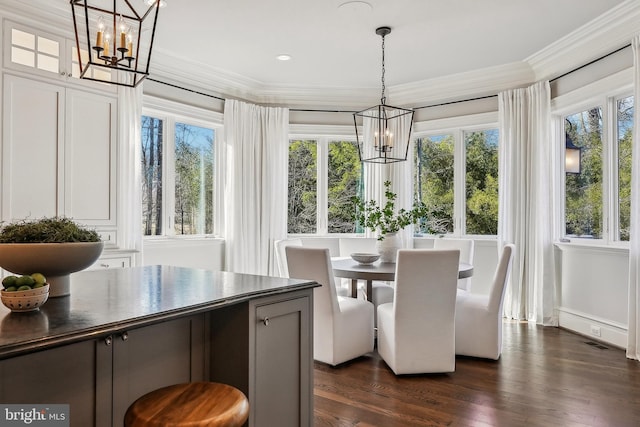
<point>266,321</point>
<point>108,340</point>
<point>125,336</point>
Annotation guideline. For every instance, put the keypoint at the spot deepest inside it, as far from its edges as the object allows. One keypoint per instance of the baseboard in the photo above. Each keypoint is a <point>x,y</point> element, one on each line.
<point>590,326</point>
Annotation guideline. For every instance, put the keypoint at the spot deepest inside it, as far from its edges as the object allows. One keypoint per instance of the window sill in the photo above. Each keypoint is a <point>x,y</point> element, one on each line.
<point>591,247</point>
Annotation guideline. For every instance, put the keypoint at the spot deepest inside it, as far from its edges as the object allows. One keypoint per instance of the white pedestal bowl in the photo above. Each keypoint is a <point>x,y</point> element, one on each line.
<point>55,260</point>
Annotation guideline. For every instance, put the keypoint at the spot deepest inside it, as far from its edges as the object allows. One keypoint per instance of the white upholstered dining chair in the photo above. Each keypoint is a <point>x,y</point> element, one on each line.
<point>342,326</point>
<point>466,248</point>
<point>479,316</point>
<point>416,332</point>
<point>281,256</point>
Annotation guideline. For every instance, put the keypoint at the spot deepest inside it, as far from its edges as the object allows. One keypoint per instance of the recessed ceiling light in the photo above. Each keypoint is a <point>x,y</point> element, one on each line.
<point>283,57</point>
<point>356,6</point>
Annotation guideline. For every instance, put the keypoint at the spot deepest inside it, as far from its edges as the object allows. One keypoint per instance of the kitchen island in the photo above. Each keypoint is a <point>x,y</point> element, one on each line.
<point>124,332</point>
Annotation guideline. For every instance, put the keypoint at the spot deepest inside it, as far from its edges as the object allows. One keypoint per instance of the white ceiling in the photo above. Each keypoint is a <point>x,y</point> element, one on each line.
<point>335,46</point>
<point>438,50</point>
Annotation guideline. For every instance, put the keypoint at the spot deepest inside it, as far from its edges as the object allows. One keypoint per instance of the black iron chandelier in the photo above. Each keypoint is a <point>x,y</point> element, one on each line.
<point>114,40</point>
<point>386,129</point>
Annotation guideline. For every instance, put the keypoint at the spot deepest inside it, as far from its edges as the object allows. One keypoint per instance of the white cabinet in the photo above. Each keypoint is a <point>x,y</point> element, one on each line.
<point>58,153</point>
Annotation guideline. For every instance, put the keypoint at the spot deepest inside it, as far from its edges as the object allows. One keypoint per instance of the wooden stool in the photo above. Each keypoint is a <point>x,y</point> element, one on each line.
<point>191,404</point>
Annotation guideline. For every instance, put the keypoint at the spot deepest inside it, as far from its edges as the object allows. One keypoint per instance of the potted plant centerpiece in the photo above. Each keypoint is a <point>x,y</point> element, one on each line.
<point>386,221</point>
<point>55,247</point>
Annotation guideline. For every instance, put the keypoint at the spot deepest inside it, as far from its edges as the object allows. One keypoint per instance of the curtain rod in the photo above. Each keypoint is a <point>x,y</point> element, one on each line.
<point>305,110</point>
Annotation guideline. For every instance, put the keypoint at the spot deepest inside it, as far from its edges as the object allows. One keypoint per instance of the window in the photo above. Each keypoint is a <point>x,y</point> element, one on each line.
<point>456,176</point>
<point>33,50</point>
<point>583,191</point>
<point>433,171</point>
<point>324,176</point>
<point>597,198</point>
<point>177,155</point>
<point>481,184</point>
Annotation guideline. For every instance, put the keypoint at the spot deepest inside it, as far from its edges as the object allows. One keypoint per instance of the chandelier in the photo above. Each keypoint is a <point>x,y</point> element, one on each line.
<point>386,130</point>
<point>114,39</point>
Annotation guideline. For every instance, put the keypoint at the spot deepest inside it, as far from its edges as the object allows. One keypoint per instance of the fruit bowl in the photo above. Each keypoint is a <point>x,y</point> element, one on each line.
<point>365,258</point>
<point>25,300</point>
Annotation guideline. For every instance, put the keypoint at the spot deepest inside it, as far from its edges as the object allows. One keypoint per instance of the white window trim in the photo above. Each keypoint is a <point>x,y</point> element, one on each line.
<point>322,135</point>
<point>457,126</point>
<point>604,93</point>
<point>172,112</point>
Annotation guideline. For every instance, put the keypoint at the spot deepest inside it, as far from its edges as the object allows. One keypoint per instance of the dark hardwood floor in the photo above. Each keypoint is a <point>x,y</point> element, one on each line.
<point>545,377</point>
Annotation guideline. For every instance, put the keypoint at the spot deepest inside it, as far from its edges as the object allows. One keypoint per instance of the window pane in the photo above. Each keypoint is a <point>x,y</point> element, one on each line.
<point>433,179</point>
<point>23,39</point>
<point>193,179</point>
<point>344,181</point>
<point>152,139</point>
<point>583,191</point>
<point>482,182</point>
<point>303,199</point>
<point>47,63</point>
<point>23,57</point>
<point>49,47</point>
<point>625,129</point>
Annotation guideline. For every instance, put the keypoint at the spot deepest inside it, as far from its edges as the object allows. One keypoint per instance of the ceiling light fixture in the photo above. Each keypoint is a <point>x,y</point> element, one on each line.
<point>386,129</point>
<point>114,44</point>
<point>283,57</point>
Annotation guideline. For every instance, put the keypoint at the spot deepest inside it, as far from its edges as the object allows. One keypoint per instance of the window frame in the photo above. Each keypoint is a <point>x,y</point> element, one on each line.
<point>457,127</point>
<point>322,135</point>
<point>171,113</point>
<point>604,93</point>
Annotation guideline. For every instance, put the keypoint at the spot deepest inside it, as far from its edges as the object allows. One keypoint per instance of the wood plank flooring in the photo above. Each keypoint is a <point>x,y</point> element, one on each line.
<point>545,377</point>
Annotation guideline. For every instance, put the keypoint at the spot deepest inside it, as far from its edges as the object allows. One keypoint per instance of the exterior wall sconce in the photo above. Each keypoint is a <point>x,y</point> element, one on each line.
<point>572,154</point>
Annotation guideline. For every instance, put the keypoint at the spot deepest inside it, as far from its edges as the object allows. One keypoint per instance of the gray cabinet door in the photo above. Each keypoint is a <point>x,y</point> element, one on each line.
<point>155,356</point>
<point>62,375</point>
<point>280,391</point>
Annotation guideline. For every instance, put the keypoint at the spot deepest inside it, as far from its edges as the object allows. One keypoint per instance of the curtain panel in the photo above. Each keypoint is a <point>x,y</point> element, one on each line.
<point>526,169</point>
<point>633,332</point>
<point>255,154</point>
<point>130,169</point>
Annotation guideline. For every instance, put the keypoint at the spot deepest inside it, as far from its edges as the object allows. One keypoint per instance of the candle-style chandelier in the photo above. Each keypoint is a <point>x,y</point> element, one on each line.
<point>114,39</point>
<point>386,130</point>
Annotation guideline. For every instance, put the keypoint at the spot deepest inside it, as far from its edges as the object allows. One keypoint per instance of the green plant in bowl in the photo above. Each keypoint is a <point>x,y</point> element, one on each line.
<point>55,247</point>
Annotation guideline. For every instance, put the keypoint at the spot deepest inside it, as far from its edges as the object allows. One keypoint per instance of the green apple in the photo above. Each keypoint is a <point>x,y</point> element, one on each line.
<point>39,278</point>
<point>25,281</point>
<point>9,281</point>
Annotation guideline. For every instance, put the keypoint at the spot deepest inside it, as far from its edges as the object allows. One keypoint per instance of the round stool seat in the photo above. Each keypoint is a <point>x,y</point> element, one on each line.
<point>190,404</point>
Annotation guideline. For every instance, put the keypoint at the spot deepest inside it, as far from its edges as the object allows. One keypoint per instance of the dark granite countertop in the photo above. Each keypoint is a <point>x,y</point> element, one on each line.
<point>106,301</point>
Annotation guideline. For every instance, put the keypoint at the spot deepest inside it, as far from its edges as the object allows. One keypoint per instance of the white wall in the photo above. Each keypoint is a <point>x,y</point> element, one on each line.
<point>205,253</point>
<point>593,292</point>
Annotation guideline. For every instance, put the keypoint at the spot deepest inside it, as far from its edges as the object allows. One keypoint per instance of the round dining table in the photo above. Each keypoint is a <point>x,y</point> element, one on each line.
<point>346,267</point>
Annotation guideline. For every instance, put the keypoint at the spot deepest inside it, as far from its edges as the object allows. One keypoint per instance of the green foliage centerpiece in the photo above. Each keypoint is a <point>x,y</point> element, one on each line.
<point>386,221</point>
<point>55,247</point>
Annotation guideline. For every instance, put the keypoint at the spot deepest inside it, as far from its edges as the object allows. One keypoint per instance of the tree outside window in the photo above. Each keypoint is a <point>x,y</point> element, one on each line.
<point>625,111</point>
<point>191,173</point>
<point>303,189</point>
<point>583,191</point>
<point>481,182</point>
<point>434,182</point>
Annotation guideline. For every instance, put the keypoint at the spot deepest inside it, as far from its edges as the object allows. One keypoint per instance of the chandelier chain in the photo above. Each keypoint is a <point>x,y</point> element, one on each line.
<point>382,96</point>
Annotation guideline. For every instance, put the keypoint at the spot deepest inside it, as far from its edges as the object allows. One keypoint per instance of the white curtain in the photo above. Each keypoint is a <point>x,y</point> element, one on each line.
<point>256,153</point>
<point>527,164</point>
<point>633,333</point>
<point>129,169</point>
<point>399,173</point>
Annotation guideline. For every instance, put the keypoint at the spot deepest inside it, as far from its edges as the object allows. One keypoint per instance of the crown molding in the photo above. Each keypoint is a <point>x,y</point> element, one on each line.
<point>601,36</point>
<point>476,83</point>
